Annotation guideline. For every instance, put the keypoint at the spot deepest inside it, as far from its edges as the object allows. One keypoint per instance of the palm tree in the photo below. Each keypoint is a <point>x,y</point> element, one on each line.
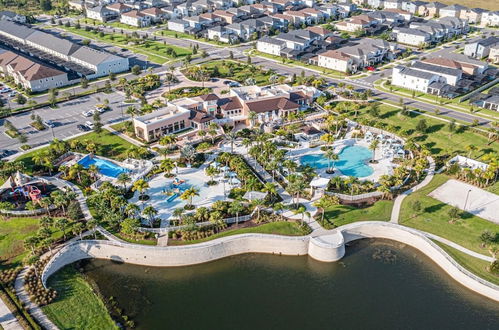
<point>235,208</point>
<point>46,202</point>
<point>124,179</point>
<point>31,242</point>
<point>59,200</point>
<point>211,172</point>
<point>331,156</point>
<point>76,170</point>
<point>62,224</point>
<point>132,111</point>
<point>257,204</point>
<point>252,116</point>
<point>178,213</point>
<point>470,148</point>
<point>141,186</point>
<point>150,212</point>
<point>328,138</point>
<point>167,165</point>
<point>270,188</point>
<point>93,170</point>
<point>189,194</point>
<point>303,212</point>
<point>132,210</point>
<point>278,208</point>
<point>374,144</point>
<point>168,141</point>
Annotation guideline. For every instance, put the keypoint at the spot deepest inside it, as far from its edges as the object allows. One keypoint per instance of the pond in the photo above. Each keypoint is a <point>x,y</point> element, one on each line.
<point>378,285</point>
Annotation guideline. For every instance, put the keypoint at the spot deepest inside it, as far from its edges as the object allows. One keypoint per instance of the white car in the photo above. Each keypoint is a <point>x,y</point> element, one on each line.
<point>88,113</point>
<point>101,109</point>
<point>89,124</point>
<point>5,90</point>
<point>12,94</point>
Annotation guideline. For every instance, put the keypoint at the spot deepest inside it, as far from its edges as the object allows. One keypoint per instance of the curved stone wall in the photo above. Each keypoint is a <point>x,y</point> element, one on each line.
<point>329,247</point>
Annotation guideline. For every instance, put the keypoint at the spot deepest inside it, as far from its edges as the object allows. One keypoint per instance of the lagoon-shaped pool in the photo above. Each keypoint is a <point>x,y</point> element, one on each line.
<point>353,161</point>
<point>105,167</point>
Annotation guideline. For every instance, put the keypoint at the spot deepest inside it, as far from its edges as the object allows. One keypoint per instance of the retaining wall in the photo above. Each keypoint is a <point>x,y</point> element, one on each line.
<point>329,247</point>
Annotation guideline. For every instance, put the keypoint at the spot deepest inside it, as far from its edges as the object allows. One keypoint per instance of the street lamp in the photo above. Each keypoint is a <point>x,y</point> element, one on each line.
<point>466,201</point>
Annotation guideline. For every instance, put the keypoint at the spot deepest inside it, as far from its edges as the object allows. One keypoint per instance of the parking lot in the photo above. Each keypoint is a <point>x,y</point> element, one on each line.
<point>66,117</point>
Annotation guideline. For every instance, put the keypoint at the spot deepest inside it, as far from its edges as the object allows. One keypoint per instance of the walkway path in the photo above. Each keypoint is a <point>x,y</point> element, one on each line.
<point>31,307</point>
<point>398,201</point>
<point>7,320</point>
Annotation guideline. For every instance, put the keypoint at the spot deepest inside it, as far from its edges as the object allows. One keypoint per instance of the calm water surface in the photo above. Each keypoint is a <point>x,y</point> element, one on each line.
<point>378,285</point>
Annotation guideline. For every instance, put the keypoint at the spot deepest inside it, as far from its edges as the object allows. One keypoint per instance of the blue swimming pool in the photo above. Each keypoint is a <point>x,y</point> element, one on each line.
<point>105,167</point>
<point>352,161</point>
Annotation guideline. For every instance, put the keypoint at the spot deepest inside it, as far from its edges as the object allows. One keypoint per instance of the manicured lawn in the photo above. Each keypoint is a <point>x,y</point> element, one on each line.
<point>240,71</point>
<point>434,218</point>
<point>438,138</point>
<point>140,241</point>
<point>451,103</point>
<point>179,35</point>
<point>332,73</point>
<point>111,146</point>
<point>77,306</point>
<point>494,188</point>
<point>155,50</point>
<point>474,265</point>
<point>276,228</point>
<point>339,215</point>
<point>13,231</point>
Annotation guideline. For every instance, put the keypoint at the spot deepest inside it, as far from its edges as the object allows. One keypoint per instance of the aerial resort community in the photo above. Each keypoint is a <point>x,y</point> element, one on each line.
<point>222,164</point>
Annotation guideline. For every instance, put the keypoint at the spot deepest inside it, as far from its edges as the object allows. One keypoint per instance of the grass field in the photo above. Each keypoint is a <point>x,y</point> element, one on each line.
<point>13,231</point>
<point>451,103</point>
<point>340,215</point>
<point>474,265</point>
<point>111,146</point>
<point>77,306</point>
<point>276,228</point>
<point>433,218</point>
<point>240,71</point>
<point>485,4</point>
<point>438,139</point>
<point>155,50</point>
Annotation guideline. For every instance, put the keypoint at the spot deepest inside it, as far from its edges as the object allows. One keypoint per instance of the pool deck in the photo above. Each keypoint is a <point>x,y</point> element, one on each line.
<point>193,177</point>
<point>384,165</point>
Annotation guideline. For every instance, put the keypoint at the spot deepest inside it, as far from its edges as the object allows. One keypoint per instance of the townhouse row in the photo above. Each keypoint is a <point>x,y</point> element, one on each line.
<point>68,56</point>
<point>424,33</point>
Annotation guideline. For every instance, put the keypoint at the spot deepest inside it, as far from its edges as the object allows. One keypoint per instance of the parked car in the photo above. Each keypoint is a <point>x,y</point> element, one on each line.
<point>6,153</point>
<point>234,84</point>
<point>89,124</point>
<point>227,82</point>
<point>49,123</point>
<point>88,113</point>
<point>371,68</point>
<point>5,90</point>
<point>101,108</point>
<point>12,94</point>
<point>82,128</point>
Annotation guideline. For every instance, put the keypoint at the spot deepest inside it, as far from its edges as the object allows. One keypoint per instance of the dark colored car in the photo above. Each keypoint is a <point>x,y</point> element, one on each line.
<point>82,128</point>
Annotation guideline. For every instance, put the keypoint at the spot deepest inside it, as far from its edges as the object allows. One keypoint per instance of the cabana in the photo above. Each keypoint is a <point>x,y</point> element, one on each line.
<point>319,184</point>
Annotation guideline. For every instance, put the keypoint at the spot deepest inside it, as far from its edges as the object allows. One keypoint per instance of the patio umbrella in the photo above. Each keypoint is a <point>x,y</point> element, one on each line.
<point>224,168</point>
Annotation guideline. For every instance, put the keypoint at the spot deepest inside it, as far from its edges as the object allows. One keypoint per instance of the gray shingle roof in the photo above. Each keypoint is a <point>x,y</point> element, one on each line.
<point>436,69</point>
<point>15,29</point>
<point>415,73</point>
<point>61,46</point>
